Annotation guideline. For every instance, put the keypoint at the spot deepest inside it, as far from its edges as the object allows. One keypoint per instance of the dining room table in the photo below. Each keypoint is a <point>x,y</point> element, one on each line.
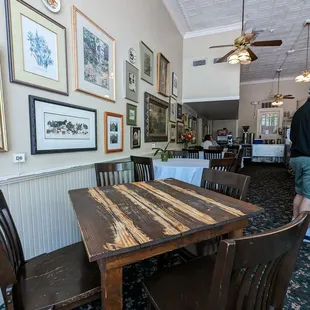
<point>184,169</point>
<point>126,223</point>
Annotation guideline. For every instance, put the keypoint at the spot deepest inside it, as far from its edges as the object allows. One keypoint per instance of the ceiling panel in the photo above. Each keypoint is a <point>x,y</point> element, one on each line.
<point>280,19</point>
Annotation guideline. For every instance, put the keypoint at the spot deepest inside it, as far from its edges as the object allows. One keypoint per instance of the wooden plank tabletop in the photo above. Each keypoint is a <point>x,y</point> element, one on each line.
<point>122,218</point>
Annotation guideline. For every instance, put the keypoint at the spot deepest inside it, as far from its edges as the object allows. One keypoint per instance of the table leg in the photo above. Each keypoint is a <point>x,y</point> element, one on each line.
<point>111,287</point>
<point>236,234</point>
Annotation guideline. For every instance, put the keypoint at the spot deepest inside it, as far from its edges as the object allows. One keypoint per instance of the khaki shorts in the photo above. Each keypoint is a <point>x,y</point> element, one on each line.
<point>301,168</point>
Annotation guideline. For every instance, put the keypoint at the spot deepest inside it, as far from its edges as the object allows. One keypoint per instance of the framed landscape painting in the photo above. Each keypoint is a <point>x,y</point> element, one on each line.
<point>114,132</point>
<point>135,137</point>
<point>94,54</point>
<point>3,136</point>
<point>131,82</point>
<point>131,115</point>
<point>173,106</point>
<point>155,119</point>
<point>163,73</point>
<point>147,63</point>
<point>57,127</point>
<point>37,48</point>
<point>175,84</point>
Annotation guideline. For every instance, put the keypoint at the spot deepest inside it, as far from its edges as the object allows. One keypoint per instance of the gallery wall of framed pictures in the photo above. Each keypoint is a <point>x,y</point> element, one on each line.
<point>73,85</point>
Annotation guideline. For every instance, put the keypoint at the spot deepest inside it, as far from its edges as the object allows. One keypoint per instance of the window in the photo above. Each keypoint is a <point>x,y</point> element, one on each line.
<point>269,123</point>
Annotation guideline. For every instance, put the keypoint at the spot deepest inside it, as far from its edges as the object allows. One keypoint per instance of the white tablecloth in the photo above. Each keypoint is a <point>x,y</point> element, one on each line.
<point>183,169</point>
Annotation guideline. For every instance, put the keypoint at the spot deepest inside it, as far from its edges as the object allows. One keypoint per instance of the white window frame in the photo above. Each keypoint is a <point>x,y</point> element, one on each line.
<point>269,110</point>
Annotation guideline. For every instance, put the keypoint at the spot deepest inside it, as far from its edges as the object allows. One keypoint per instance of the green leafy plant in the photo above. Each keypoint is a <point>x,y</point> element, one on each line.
<point>162,151</point>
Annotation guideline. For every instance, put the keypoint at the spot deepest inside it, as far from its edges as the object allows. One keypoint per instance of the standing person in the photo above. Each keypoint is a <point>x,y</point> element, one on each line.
<point>300,160</point>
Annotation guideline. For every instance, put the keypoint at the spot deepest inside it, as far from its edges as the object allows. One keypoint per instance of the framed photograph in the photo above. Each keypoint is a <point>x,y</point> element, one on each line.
<point>37,48</point>
<point>147,63</point>
<point>194,124</point>
<point>180,131</point>
<point>173,133</point>
<point>135,137</point>
<point>3,135</point>
<point>57,127</point>
<point>179,111</point>
<point>185,119</point>
<point>163,74</point>
<point>131,115</point>
<point>190,121</point>
<point>131,82</point>
<point>155,119</point>
<point>175,84</point>
<point>114,132</point>
<point>94,55</point>
<point>173,106</point>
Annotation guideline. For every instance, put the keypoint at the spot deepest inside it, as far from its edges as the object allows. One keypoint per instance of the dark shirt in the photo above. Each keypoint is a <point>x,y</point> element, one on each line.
<point>300,131</point>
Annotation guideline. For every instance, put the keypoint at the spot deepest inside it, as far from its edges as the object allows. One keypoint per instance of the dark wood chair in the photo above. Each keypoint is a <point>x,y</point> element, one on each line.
<point>234,149</point>
<point>60,279</point>
<point>223,164</point>
<point>178,154</point>
<point>229,155</point>
<point>238,162</point>
<point>251,272</point>
<point>143,168</point>
<point>114,173</point>
<point>211,154</point>
<point>193,154</point>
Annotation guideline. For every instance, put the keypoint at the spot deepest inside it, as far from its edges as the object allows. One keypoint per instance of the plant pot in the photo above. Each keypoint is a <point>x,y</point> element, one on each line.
<point>164,156</point>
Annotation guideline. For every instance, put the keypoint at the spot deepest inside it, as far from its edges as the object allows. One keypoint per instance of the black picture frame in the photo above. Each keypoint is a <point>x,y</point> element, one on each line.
<point>180,131</point>
<point>179,111</point>
<point>35,148</point>
<point>150,134</point>
<point>135,144</point>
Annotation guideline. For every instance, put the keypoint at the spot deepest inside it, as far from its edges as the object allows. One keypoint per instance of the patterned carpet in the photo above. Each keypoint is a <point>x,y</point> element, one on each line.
<point>271,188</point>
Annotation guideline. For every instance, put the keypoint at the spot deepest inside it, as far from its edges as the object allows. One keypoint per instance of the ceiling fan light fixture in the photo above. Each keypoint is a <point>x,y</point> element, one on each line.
<point>247,61</point>
<point>233,59</point>
<point>300,78</point>
<point>244,55</point>
<point>277,102</point>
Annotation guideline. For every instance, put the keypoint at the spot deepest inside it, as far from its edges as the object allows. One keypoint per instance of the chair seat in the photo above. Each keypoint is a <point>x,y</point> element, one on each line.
<point>183,287</point>
<point>59,278</point>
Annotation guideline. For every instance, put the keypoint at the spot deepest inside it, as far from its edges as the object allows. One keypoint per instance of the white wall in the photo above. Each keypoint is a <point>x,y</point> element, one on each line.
<point>128,22</point>
<point>212,80</point>
<point>261,91</point>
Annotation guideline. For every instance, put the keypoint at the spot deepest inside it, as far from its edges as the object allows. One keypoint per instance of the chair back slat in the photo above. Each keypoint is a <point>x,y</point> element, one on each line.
<point>212,154</point>
<point>11,252</point>
<point>143,168</point>
<point>253,272</point>
<point>229,155</point>
<point>179,154</point>
<point>223,164</point>
<point>193,154</point>
<point>114,173</point>
<point>227,183</point>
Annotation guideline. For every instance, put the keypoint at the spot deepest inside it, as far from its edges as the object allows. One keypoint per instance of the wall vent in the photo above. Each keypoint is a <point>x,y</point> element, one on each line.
<point>200,62</point>
<point>266,105</point>
<point>216,59</point>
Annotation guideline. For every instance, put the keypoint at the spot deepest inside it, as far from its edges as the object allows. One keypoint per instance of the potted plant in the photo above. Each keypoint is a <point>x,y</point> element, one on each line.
<point>164,153</point>
<point>187,137</point>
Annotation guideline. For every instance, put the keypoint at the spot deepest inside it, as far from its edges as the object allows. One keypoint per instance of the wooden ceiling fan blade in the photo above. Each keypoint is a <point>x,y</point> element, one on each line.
<point>267,43</point>
<point>218,46</point>
<point>288,97</point>
<point>249,36</point>
<point>223,59</point>
<point>252,55</point>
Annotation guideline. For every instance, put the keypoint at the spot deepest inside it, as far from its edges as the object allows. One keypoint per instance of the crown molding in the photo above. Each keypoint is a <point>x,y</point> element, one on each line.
<point>290,78</point>
<point>208,31</point>
<point>211,99</point>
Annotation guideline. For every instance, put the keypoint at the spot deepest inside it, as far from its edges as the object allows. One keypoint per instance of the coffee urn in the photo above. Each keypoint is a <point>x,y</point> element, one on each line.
<point>247,137</point>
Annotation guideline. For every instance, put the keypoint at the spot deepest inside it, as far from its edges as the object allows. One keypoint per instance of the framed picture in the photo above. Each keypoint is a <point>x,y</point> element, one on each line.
<point>163,73</point>
<point>194,124</point>
<point>114,132</point>
<point>173,133</point>
<point>57,127</point>
<point>131,81</point>
<point>179,111</point>
<point>135,137</point>
<point>175,84</point>
<point>94,55</point>
<point>180,131</point>
<point>185,119</point>
<point>190,121</point>
<point>155,119</point>
<point>173,106</point>
<point>37,48</point>
<point>131,115</point>
<point>147,63</point>
<point>3,135</point>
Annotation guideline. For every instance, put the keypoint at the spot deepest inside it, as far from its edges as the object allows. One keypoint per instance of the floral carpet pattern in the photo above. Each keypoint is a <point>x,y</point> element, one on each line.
<point>272,188</point>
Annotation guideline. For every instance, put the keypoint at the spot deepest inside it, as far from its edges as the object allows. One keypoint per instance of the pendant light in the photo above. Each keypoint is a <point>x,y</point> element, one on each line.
<point>305,76</point>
